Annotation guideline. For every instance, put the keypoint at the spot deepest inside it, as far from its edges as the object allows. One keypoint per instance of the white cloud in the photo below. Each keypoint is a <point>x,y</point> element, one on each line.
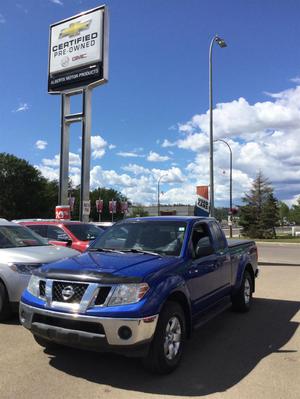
<point>22,107</point>
<point>155,157</point>
<point>41,144</point>
<point>98,145</point>
<point>2,19</point>
<point>74,160</point>
<point>136,169</point>
<point>112,146</point>
<point>58,2</point>
<point>129,154</point>
<point>263,136</point>
<point>295,79</point>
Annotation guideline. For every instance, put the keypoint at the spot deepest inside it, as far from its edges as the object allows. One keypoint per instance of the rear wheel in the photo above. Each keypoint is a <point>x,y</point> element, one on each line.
<point>5,309</point>
<point>167,346</point>
<point>241,301</point>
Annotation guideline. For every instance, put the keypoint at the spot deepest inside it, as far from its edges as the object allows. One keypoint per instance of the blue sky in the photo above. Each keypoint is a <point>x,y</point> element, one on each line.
<point>151,117</point>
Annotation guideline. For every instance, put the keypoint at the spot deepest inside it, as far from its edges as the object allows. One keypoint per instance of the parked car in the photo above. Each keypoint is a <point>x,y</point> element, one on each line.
<point>141,288</point>
<point>76,235</point>
<point>21,252</point>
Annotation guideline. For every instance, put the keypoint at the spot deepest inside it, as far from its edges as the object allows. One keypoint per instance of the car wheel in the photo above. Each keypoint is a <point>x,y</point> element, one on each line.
<point>241,301</point>
<point>167,346</point>
<point>5,309</point>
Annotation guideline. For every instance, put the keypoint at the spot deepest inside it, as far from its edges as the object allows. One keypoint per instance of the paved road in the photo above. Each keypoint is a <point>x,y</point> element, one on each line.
<point>279,253</point>
<point>254,355</point>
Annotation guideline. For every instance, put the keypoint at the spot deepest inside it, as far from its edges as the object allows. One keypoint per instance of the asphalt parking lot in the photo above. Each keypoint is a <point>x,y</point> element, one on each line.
<point>254,355</point>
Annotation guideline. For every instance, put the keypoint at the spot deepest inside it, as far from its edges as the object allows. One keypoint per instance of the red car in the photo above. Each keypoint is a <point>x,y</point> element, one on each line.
<point>76,235</point>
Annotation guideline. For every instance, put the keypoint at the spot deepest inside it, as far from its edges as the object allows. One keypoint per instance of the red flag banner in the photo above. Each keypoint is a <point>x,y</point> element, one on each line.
<point>202,191</point>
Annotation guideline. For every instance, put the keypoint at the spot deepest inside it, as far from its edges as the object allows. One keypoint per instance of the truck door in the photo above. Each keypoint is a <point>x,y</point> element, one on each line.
<point>224,258</point>
<point>202,275</point>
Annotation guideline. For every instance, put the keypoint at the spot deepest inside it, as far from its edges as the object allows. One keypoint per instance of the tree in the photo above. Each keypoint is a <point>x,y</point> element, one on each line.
<point>138,211</point>
<point>25,193</point>
<point>106,195</point>
<point>260,214</point>
<point>284,212</point>
<point>294,214</point>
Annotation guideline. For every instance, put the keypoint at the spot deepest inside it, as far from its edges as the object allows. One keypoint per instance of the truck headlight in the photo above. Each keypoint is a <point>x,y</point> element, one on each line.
<point>34,285</point>
<point>24,268</point>
<point>125,294</point>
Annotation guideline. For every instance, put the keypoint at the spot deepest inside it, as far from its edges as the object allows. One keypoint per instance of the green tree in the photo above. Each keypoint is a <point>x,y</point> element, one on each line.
<point>294,214</point>
<point>99,193</point>
<point>25,193</point>
<point>138,211</point>
<point>284,212</point>
<point>259,215</point>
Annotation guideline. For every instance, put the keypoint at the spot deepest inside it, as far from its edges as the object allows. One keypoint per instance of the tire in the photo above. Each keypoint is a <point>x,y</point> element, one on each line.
<point>45,343</point>
<point>163,358</point>
<point>241,301</point>
<point>5,309</point>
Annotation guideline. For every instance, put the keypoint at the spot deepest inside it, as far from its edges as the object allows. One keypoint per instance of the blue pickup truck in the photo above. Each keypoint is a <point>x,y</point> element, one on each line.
<point>141,288</point>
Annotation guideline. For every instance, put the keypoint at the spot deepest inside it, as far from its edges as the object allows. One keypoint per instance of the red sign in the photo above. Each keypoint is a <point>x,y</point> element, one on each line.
<point>112,206</point>
<point>124,207</point>
<point>62,212</point>
<point>202,191</point>
<point>99,205</point>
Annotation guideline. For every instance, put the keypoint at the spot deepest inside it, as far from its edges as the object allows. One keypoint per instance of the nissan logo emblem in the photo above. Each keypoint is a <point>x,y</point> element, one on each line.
<point>67,293</point>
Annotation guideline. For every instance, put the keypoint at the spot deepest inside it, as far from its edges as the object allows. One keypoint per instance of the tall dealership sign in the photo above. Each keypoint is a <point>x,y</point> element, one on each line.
<point>202,203</point>
<point>78,61</point>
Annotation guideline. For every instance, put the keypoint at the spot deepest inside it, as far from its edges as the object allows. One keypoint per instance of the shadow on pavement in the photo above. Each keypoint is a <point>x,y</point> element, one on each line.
<point>217,357</point>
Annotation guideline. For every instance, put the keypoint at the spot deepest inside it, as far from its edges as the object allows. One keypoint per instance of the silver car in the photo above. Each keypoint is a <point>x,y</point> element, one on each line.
<point>21,251</point>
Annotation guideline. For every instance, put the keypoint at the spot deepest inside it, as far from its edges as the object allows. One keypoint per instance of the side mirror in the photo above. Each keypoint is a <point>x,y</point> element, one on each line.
<point>203,248</point>
<point>69,243</point>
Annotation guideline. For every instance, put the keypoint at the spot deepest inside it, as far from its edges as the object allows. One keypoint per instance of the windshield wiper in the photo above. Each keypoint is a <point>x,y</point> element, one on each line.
<point>104,250</point>
<point>140,251</point>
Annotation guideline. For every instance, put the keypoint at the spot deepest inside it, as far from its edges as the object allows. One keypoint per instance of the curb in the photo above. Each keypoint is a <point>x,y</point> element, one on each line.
<point>277,264</point>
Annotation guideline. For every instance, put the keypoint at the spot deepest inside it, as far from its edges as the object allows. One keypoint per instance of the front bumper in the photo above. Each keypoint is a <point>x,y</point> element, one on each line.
<point>89,332</point>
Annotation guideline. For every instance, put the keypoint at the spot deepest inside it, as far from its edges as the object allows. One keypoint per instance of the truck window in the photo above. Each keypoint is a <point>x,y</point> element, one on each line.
<point>200,239</point>
<point>220,243</point>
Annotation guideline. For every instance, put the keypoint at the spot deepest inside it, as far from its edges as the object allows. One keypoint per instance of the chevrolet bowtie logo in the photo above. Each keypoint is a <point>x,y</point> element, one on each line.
<point>74,29</point>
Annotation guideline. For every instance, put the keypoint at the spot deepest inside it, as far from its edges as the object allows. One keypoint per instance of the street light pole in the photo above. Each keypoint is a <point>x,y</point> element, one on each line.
<point>230,186</point>
<point>158,194</point>
<point>222,44</point>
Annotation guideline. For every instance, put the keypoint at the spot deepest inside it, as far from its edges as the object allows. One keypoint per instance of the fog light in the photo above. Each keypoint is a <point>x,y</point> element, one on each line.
<point>23,316</point>
<point>124,332</point>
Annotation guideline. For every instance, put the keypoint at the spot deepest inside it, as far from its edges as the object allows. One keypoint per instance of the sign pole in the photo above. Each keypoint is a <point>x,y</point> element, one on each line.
<point>64,152</point>
<point>86,151</point>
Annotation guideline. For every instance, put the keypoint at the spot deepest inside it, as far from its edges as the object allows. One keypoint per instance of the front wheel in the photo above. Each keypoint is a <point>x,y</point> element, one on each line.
<point>5,309</point>
<point>167,346</point>
<point>241,301</point>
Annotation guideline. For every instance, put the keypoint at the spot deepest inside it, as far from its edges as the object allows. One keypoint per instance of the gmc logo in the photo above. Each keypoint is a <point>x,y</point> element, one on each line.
<point>78,57</point>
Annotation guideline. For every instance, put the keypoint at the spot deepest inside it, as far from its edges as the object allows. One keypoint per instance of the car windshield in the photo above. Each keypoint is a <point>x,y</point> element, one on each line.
<point>84,231</point>
<point>19,236</point>
<point>158,237</point>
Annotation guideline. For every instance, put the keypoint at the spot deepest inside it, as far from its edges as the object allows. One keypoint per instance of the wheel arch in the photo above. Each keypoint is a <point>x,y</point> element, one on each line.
<point>180,298</point>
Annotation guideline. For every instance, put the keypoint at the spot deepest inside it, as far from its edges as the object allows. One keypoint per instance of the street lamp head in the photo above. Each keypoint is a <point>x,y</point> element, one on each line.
<point>221,42</point>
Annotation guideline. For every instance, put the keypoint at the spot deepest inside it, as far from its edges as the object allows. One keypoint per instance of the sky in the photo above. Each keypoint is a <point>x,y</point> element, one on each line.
<point>151,118</point>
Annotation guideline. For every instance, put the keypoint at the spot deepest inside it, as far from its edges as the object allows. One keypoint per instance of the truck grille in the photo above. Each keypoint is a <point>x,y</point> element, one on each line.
<point>68,292</point>
<point>42,289</point>
<point>102,295</point>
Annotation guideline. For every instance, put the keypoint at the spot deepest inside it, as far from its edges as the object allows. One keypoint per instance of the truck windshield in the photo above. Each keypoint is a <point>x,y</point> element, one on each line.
<point>19,236</point>
<point>160,237</point>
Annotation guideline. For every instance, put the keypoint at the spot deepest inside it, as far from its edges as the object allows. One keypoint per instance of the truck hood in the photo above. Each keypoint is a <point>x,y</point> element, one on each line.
<point>107,268</point>
<point>41,254</point>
